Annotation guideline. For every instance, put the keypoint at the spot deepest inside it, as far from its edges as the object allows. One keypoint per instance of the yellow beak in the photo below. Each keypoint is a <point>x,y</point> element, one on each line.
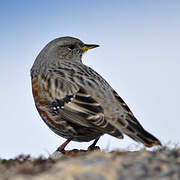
<point>88,46</point>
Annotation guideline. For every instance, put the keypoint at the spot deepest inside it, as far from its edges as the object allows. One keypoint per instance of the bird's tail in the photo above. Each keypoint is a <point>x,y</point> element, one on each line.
<point>146,138</point>
<point>138,133</point>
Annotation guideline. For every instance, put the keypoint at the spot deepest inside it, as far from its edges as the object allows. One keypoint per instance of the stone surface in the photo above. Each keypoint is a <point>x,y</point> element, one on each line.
<point>162,164</point>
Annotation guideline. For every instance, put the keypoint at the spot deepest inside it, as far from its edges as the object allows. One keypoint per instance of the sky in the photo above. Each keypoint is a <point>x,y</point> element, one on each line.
<point>139,55</point>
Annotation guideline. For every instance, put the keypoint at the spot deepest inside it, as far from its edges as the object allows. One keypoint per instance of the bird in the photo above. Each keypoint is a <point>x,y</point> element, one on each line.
<point>76,102</point>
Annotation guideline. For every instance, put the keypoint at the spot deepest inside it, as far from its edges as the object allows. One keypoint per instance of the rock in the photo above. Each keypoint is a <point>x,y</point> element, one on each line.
<point>162,164</point>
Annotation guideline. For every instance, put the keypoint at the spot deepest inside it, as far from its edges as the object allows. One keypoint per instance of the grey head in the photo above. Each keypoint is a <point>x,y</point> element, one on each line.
<point>69,48</point>
<point>64,48</point>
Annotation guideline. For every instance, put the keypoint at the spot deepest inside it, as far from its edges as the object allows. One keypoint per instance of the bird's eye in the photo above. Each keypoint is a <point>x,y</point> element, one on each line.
<point>71,47</point>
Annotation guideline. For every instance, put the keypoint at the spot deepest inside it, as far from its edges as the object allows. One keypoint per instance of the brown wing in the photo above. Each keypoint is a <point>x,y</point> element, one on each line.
<point>74,104</point>
<point>93,112</point>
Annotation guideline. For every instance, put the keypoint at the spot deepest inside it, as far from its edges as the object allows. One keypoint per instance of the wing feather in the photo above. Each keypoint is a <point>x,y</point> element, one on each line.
<point>76,105</point>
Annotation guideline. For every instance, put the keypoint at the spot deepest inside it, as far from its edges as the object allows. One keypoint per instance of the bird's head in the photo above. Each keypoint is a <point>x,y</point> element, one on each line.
<point>67,48</point>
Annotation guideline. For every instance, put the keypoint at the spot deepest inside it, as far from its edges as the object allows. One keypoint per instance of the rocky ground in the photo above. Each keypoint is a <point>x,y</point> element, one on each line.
<point>162,164</point>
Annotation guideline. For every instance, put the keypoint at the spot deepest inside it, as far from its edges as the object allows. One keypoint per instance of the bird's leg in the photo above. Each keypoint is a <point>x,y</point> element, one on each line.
<point>93,145</point>
<point>62,146</point>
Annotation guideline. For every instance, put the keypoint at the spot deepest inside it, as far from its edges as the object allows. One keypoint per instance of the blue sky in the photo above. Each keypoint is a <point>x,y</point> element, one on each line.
<point>138,55</point>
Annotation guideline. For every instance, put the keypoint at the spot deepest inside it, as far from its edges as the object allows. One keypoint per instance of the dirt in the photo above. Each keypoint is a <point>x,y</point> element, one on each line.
<point>161,164</point>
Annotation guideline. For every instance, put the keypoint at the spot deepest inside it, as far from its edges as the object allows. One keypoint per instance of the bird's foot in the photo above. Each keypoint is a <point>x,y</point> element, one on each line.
<point>93,148</point>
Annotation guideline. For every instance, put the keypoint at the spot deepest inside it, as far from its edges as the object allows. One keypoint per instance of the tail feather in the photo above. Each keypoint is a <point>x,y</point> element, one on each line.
<point>146,138</point>
<point>138,133</point>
